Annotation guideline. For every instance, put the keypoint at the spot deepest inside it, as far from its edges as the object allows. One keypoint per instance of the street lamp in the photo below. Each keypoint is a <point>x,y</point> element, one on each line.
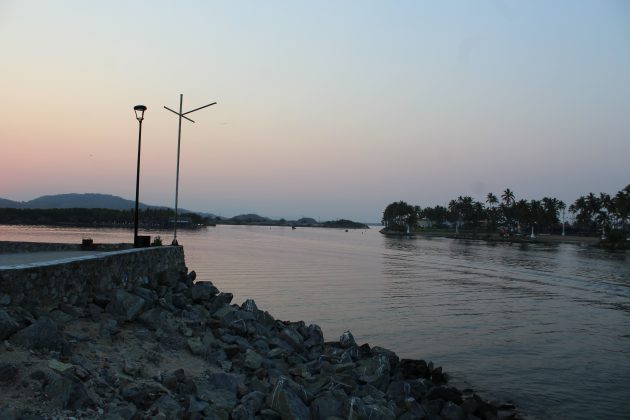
<point>139,110</point>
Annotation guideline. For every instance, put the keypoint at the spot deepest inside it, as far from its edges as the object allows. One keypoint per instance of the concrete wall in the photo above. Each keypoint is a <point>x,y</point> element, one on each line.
<point>7,247</point>
<point>72,280</point>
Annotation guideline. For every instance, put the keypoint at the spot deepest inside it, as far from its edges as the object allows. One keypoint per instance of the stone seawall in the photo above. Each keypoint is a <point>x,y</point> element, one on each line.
<point>72,281</point>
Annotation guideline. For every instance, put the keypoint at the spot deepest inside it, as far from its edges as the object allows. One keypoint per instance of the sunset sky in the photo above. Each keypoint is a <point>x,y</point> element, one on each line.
<point>327,109</point>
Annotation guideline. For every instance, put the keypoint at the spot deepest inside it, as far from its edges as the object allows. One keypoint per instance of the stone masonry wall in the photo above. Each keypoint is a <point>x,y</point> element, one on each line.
<point>73,280</point>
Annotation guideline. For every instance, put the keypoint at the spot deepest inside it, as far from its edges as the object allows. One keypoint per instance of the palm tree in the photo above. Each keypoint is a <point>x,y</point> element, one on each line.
<point>508,197</point>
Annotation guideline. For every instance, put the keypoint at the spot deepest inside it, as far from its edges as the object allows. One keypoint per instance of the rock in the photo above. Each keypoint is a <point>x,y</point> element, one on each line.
<point>202,291</point>
<point>347,340</point>
<point>60,317</point>
<point>150,296</point>
<point>445,393</point>
<point>43,334</point>
<point>8,372</point>
<point>452,411</point>
<point>5,299</point>
<point>177,382</point>
<point>253,401</point>
<point>249,306</point>
<point>219,301</point>
<point>241,413</point>
<point>197,406</point>
<point>325,406</point>
<point>227,381</point>
<point>252,360</point>
<point>222,402</point>
<point>158,319</point>
<point>58,366</point>
<point>67,393</point>
<point>292,337</point>
<point>124,411</point>
<point>8,325</point>
<point>125,305</point>
<point>413,369</point>
<point>143,393</point>
<point>168,407</point>
<point>109,328</point>
<point>287,403</point>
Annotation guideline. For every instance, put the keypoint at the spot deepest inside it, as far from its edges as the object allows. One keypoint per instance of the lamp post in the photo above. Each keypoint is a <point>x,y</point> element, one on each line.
<point>139,110</point>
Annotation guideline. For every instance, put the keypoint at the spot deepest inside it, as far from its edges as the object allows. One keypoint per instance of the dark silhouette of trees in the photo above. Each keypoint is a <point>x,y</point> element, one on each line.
<point>594,214</point>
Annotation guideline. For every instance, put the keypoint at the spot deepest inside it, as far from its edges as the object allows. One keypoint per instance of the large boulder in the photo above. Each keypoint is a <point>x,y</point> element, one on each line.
<point>125,305</point>
<point>203,291</point>
<point>68,393</point>
<point>43,334</point>
<point>283,400</point>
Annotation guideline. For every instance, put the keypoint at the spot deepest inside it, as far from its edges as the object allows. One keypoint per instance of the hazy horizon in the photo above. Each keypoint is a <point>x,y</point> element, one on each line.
<point>327,110</point>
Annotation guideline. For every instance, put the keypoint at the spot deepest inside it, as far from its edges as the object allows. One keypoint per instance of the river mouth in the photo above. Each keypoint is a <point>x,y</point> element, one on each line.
<point>543,326</point>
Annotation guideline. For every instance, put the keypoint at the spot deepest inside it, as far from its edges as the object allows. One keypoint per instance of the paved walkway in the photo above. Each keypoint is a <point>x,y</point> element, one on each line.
<point>9,260</point>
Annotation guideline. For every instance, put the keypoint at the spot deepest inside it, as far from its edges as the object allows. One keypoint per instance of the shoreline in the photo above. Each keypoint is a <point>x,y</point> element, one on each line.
<point>177,348</point>
<point>542,238</point>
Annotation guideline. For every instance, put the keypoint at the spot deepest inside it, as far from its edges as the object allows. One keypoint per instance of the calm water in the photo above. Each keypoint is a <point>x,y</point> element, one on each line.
<point>544,326</point>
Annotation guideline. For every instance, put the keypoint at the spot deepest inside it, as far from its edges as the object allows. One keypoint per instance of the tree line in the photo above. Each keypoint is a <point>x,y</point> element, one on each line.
<point>592,214</point>
<point>152,218</point>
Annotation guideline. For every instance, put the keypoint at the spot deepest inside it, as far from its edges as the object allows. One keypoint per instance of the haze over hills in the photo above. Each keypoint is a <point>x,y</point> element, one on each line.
<point>113,202</point>
<point>83,201</point>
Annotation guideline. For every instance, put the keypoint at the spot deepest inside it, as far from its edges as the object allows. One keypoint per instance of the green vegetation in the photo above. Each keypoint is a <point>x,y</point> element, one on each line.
<point>592,215</point>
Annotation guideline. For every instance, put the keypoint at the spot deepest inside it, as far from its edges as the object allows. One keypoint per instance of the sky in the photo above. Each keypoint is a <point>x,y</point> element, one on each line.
<point>327,109</point>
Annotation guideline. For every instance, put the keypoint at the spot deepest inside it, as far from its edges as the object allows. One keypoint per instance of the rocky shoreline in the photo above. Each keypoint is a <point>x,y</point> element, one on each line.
<point>176,348</point>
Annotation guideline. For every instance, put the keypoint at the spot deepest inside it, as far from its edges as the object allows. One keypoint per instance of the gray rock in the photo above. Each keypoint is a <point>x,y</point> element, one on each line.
<point>5,299</point>
<point>347,340</point>
<point>202,291</point>
<point>253,401</point>
<point>445,393</point>
<point>67,393</point>
<point>219,301</point>
<point>179,300</point>
<point>197,406</point>
<point>379,412</point>
<point>109,328</point>
<point>452,411</point>
<point>168,407</point>
<point>148,295</point>
<point>125,305</point>
<point>8,325</point>
<point>8,372</point>
<point>252,360</point>
<point>143,393</point>
<point>241,412</point>
<point>327,405</point>
<point>124,411</point>
<point>287,404</point>
<point>249,305</point>
<point>221,401</point>
<point>43,334</point>
<point>158,319</point>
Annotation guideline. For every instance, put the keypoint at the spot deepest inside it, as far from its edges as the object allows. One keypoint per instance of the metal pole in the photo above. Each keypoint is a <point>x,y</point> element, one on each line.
<point>179,137</point>
<point>135,224</point>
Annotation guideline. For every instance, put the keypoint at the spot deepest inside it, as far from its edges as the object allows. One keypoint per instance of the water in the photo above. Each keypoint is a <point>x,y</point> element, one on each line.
<point>544,326</point>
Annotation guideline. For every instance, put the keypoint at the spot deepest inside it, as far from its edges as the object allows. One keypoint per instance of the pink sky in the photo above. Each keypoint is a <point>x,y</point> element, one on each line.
<point>326,110</point>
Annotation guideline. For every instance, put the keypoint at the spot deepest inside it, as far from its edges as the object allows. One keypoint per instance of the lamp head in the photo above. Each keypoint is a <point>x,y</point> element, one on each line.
<point>139,110</point>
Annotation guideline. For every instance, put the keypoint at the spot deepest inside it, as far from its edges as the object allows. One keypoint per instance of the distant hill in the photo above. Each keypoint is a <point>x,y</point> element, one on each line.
<point>4,203</point>
<point>83,201</point>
